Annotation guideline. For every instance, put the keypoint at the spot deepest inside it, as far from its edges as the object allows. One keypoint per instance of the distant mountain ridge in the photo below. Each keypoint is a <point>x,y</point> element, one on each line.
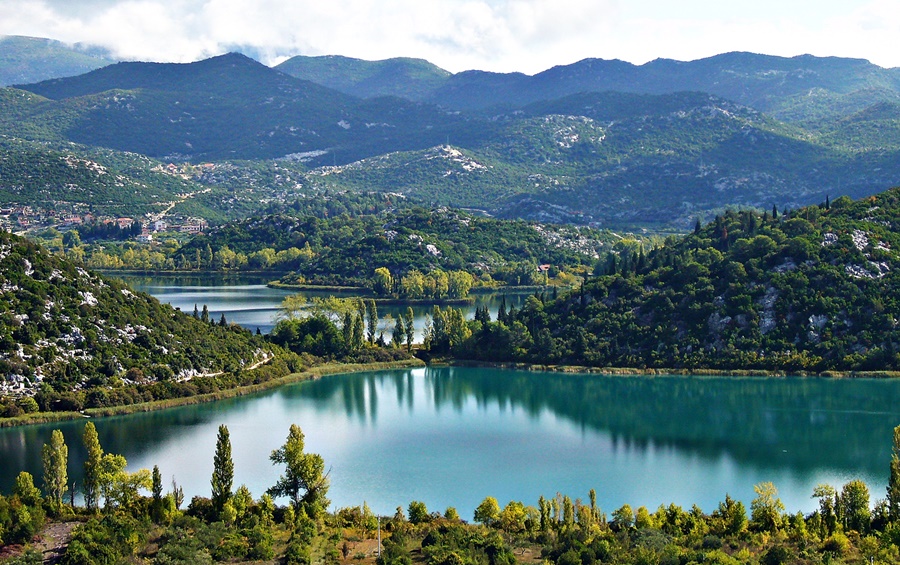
<point>612,158</point>
<point>408,78</point>
<point>31,59</point>
<point>763,82</point>
<point>227,107</point>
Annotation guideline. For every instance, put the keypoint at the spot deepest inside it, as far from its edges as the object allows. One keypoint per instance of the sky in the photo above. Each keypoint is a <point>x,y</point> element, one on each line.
<point>494,35</point>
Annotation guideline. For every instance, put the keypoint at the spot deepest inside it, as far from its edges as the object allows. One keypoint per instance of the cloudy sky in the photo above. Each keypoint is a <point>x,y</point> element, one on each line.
<point>497,35</point>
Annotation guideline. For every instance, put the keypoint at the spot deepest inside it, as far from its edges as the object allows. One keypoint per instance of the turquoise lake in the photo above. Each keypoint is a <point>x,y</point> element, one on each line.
<point>451,436</point>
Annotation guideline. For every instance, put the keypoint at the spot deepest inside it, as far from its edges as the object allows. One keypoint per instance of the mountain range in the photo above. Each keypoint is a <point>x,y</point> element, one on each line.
<point>32,59</point>
<point>603,142</point>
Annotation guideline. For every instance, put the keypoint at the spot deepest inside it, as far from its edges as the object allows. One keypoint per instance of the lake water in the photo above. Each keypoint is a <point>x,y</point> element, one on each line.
<point>451,436</point>
<point>246,300</point>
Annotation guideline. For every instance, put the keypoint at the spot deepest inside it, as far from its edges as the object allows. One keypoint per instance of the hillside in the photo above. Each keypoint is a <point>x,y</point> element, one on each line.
<point>30,59</point>
<point>227,107</point>
<point>615,159</point>
<point>629,160</point>
<point>812,290</point>
<point>327,248</point>
<point>70,178</point>
<point>414,79</point>
<point>81,340</point>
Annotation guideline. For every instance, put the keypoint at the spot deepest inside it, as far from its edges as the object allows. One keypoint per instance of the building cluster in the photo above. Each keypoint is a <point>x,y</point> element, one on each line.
<point>21,218</point>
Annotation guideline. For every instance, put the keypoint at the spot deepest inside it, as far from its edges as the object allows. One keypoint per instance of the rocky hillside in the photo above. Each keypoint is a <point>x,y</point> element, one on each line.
<point>77,339</point>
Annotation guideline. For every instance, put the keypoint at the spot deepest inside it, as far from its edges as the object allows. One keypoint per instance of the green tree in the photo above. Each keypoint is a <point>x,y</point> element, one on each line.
<point>893,488</point>
<point>418,512</point>
<point>55,457</point>
<point>732,515</point>
<point>26,491</point>
<point>382,283</point>
<point>766,508</point>
<point>855,506</point>
<point>623,518</point>
<point>827,502</point>
<point>304,480</point>
<point>488,512</point>
<point>156,503</point>
<point>223,470</point>
<point>409,328</point>
<point>91,482</point>
<point>371,321</point>
<point>398,333</point>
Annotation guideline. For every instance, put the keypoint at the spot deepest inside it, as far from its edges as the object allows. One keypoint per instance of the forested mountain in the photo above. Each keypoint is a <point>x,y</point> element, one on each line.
<point>30,59</point>
<point>621,159</point>
<point>223,108</point>
<point>809,290</point>
<point>638,160</point>
<point>794,88</point>
<point>414,79</point>
<point>344,249</point>
<point>78,339</point>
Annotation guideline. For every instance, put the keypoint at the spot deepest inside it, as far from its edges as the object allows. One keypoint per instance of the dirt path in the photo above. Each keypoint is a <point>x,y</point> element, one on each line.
<point>54,539</point>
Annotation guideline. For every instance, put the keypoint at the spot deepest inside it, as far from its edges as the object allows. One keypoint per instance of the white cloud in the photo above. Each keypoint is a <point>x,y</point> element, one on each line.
<point>502,35</point>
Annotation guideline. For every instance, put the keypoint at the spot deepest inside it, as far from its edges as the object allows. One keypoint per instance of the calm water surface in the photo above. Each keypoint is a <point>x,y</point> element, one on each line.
<point>246,300</point>
<point>451,436</point>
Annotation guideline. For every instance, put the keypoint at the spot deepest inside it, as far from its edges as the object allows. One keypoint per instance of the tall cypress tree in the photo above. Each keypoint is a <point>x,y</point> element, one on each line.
<point>90,486</point>
<point>408,327</point>
<point>372,320</point>
<point>223,470</point>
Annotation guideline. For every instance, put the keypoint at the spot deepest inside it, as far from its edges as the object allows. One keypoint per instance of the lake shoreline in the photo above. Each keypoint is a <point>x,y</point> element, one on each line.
<point>310,374</point>
<point>650,372</point>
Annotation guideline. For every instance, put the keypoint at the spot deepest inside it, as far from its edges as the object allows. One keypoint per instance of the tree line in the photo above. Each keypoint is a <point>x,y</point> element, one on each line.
<point>127,515</point>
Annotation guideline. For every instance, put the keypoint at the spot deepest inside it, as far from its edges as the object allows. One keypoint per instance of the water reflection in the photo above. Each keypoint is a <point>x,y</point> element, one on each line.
<point>246,300</point>
<point>805,423</point>
<point>454,435</point>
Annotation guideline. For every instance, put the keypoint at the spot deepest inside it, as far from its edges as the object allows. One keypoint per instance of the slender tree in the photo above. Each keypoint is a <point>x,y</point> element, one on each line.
<point>55,457</point>
<point>893,488</point>
<point>855,506</point>
<point>91,482</point>
<point>156,503</point>
<point>398,332</point>
<point>372,320</point>
<point>223,470</point>
<point>409,328</point>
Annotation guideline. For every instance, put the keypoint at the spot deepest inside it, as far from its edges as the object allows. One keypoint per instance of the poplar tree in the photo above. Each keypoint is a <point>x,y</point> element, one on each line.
<point>893,488</point>
<point>92,466</point>
<point>223,470</point>
<point>372,320</point>
<point>398,332</point>
<point>410,330</point>
<point>55,457</point>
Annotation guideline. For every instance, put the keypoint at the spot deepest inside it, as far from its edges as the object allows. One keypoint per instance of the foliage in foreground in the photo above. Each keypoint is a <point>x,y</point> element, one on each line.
<point>845,528</point>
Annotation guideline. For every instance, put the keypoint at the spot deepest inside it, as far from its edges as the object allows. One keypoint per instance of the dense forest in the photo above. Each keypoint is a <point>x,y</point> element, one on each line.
<point>803,290</point>
<point>324,247</point>
<point>129,517</point>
